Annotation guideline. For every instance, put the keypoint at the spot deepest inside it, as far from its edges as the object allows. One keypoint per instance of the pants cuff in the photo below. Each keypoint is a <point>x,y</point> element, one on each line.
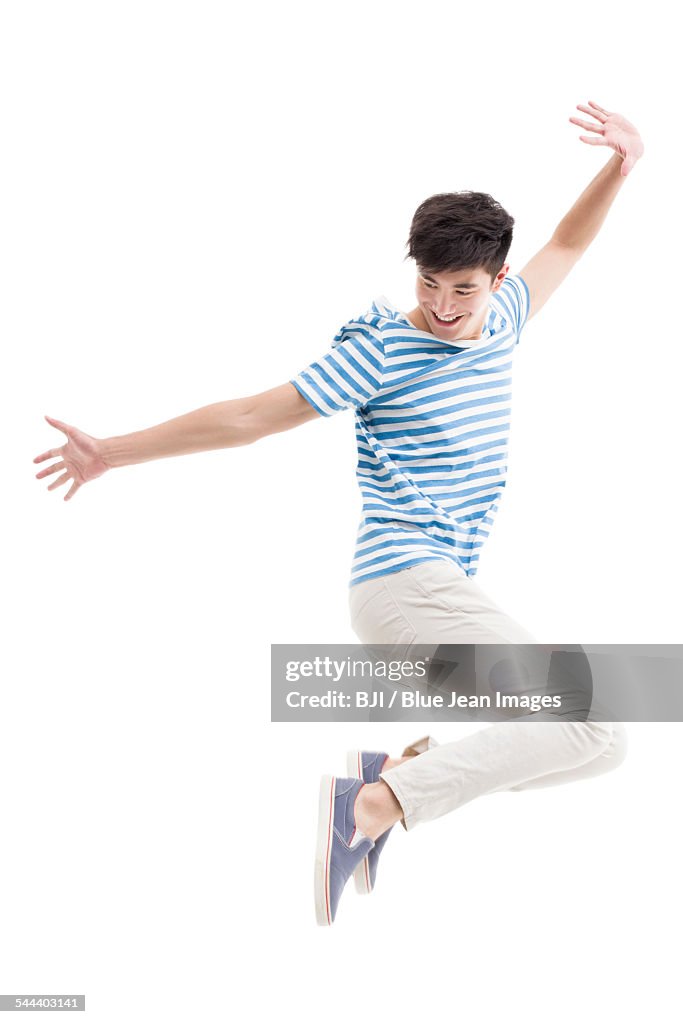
<point>408,820</point>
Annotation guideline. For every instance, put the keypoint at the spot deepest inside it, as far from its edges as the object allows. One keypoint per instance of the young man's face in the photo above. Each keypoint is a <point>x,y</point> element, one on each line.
<point>453,304</point>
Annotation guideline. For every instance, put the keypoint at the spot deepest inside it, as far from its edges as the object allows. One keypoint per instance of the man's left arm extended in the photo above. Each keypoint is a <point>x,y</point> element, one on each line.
<point>575,232</point>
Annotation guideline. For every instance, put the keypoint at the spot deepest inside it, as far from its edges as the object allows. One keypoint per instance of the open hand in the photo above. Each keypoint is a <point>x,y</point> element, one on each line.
<point>80,459</point>
<point>614,131</point>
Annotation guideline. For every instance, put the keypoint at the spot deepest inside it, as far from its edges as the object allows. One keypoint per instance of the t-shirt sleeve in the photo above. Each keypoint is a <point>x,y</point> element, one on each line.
<point>514,297</point>
<point>349,374</point>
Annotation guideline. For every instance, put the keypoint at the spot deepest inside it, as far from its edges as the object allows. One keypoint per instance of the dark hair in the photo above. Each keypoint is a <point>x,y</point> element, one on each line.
<point>458,231</point>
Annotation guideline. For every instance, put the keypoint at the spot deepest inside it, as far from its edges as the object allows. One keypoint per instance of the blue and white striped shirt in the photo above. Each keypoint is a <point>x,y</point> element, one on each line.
<point>432,426</point>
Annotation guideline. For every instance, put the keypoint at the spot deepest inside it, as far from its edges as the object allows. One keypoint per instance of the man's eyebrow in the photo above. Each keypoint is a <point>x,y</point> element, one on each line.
<point>465,284</point>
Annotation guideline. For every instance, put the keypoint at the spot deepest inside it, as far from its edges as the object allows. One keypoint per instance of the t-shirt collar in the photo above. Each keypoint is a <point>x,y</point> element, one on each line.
<point>400,316</point>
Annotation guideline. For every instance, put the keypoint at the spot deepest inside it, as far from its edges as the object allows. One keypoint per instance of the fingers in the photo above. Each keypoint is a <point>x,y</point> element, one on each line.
<point>50,469</point>
<point>64,427</point>
<point>602,117</point>
<point>587,125</point>
<point>59,481</point>
<point>601,109</point>
<point>51,454</point>
<point>592,141</point>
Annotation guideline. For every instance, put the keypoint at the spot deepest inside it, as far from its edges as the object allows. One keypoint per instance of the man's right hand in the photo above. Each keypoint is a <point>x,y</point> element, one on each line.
<point>79,460</point>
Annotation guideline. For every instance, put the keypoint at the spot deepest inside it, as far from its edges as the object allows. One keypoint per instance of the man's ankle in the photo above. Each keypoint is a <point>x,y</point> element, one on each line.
<point>376,809</point>
<point>393,762</point>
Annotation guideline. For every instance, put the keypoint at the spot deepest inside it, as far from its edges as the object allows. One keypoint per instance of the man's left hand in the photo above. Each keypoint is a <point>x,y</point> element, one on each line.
<point>614,131</point>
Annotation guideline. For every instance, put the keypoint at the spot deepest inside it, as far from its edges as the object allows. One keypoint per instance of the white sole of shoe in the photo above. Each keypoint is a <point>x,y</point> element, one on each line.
<point>323,850</point>
<point>361,876</point>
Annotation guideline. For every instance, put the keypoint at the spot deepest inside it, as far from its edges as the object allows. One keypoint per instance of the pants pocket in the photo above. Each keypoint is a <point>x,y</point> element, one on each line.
<point>435,581</point>
<point>377,619</point>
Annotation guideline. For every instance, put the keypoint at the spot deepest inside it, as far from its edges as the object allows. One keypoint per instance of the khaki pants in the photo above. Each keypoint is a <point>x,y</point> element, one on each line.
<point>434,603</point>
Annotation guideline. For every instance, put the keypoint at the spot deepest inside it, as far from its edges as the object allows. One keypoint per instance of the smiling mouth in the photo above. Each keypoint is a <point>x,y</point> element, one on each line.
<point>447,321</point>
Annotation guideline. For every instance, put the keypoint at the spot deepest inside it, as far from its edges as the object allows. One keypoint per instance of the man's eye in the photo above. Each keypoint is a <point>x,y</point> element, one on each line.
<point>428,284</point>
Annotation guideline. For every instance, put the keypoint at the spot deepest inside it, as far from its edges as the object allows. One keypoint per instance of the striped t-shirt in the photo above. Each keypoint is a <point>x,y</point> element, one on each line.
<point>432,426</point>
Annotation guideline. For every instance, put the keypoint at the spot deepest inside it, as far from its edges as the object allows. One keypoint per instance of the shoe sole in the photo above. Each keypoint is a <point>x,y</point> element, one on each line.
<point>361,876</point>
<point>323,850</point>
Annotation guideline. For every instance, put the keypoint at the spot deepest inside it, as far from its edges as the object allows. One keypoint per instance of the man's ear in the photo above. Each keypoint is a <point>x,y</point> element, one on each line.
<point>500,277</point>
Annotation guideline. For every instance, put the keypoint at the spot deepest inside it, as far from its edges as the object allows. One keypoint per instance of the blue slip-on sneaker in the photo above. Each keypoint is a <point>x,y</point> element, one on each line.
<point>367,765</point>
<point>340,847</point>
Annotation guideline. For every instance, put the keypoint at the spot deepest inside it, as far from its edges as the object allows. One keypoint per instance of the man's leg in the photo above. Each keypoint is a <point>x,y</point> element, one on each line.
<point>433,603</point>
<point>510,756</point>
<point>430,603</point>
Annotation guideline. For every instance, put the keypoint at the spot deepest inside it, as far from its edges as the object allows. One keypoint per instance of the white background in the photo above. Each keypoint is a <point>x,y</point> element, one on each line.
<point>195,196</point>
